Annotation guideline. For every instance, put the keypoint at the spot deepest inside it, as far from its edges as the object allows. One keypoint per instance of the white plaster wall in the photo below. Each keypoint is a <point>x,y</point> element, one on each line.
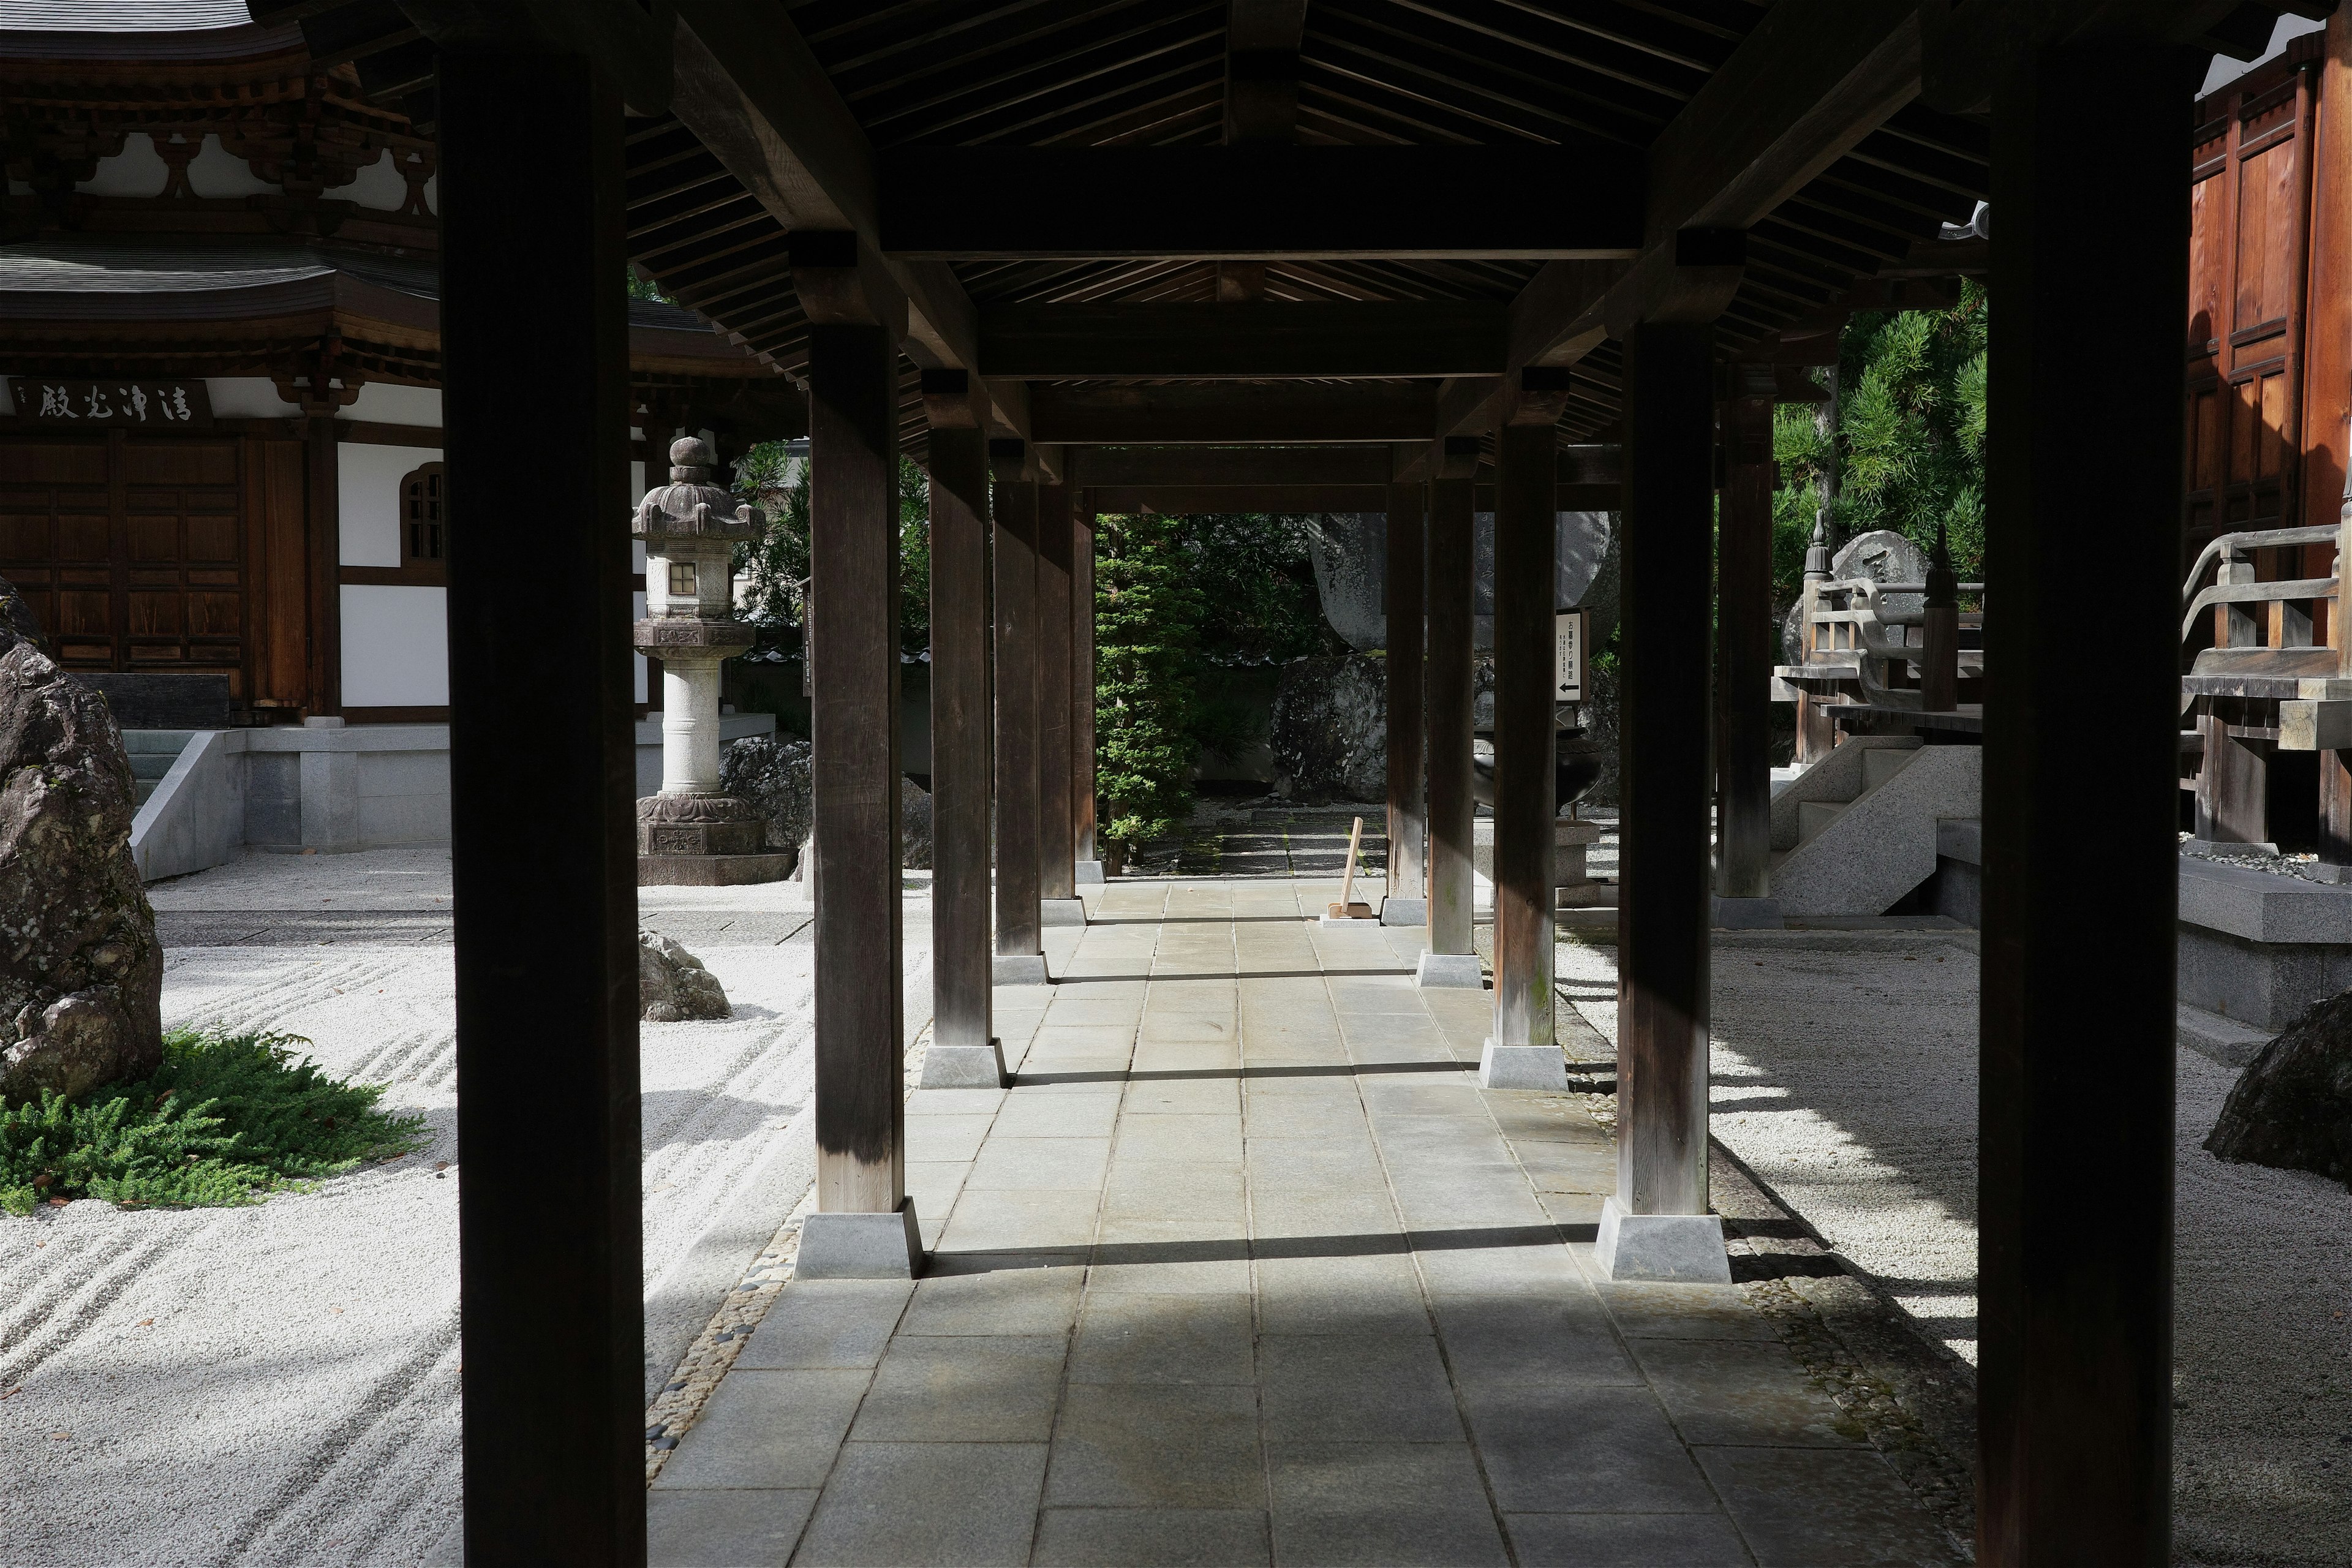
<point>378,185</point>
<point>395,647</point>
<point>368,496</point>
<point>139,171</point>
<point>248,397</point>
<point>217,171</point>
<point>381,402</point>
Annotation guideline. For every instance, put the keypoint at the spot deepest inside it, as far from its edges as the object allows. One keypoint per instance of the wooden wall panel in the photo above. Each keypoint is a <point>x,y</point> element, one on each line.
<point>282,595</point>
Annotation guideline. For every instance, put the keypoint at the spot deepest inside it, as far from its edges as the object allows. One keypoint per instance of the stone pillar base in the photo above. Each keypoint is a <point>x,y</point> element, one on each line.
<point>1679,1248</point>
<point>1449,971</point>
<point>1018,969</point>
<point>1748,914</point>
<point>1090,873</point>
<point>1062,912</point>
<point>861,1246</point>
<point>1398,912</point>
<point>1521,1067</point>
<point>2217,846</point>
<point>714,870</point>
<point>963,1067</point>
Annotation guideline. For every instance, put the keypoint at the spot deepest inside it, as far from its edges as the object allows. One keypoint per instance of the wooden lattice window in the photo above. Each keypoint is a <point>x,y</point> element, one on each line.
<point>423,517</point>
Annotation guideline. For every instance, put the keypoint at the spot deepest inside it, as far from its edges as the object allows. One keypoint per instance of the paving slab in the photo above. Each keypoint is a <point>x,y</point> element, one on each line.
<point>1244,1267</point>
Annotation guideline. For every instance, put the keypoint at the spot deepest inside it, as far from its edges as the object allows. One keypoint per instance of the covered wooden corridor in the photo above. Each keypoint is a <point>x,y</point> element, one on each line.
<point>1359,254</point>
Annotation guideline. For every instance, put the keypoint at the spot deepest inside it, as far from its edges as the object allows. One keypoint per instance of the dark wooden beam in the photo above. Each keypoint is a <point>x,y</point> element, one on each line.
<point>1143,466</point>
<point>963,1051</point>
<point>1232,413</point>
<point>2076,1138</point>
<point>854,635</point>
<point>1173,498</point>
<point>1056,841</point>
<point>1806,85</point>
<point>548,1211</point>
<point>1450,695</point>
<point>1262,41</point>
<point>1524,1051</point>
<point>1661,1039</point>
<point>1263,201</point>
<point>1746,633</point>
<point>1407,815</point>
<point>1082,689</point>
<point>752,91</point>
<point>1256,340</point>
<point>1020,947</point>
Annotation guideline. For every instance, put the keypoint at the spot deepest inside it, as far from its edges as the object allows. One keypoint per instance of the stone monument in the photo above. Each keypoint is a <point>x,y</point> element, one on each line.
<point>693,833</point>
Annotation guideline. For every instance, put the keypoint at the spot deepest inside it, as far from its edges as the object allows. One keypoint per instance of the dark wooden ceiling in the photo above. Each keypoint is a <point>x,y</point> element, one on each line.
<point>1600,78</point>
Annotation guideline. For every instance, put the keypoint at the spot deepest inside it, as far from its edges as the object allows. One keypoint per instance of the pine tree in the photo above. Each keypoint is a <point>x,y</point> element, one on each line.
<point>1908,450</point>
<point>1147,613</point>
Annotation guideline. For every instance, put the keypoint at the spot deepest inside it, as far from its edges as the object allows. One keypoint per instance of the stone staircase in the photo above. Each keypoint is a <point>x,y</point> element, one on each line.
<point>151,754</point>
<point>1857,831</point>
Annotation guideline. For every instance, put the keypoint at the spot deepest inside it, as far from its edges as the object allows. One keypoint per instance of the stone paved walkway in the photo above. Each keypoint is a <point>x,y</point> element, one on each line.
<point>1245,1269</point>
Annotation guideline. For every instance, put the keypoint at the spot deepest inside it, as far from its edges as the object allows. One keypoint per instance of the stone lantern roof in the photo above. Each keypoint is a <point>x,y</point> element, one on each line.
<point>691,509</point>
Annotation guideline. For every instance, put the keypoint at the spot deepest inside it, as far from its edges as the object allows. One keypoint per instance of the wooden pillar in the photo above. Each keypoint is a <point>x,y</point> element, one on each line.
<point>1524,1052</point>
<point>963,1051</point>
<point>1020,951</point>
<point>1407,902</point>
<point>1089,866</point>
<point>1744,622</point>
<point>2076,1142</point>
<point>854,573</point>
<point>1057,852</point>
<point>1656,1225</point>
<point>542,845</point>
<point>1450,960</point>
<point>323,508</point>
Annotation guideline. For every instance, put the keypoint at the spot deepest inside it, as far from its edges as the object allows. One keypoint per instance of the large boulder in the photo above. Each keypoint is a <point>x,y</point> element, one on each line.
<point>672,984</point>
<point>2292,1107</point>
<point>1329,732</point>
<point>82,975</point>
<point>914,825</point>
<point>772,772</point>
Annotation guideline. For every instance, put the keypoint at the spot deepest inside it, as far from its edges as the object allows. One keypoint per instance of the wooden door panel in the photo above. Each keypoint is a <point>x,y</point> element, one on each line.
<point>84,536</point>
<point>215,615</point>
<point>154,538</point>
<point>212,536</point>
<point>83,614</point>
<point>175,463</point>
<point>25,538</point>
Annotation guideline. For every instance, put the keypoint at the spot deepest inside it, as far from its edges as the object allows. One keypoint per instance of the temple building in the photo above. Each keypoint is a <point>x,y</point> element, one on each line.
<point>221,481</point>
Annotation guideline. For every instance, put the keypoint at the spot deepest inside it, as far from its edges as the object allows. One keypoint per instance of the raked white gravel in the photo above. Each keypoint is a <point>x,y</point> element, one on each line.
<point>277,1384</point>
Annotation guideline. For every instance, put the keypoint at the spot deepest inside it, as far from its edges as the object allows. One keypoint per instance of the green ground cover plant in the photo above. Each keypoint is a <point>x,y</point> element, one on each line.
<point>227,1119</point>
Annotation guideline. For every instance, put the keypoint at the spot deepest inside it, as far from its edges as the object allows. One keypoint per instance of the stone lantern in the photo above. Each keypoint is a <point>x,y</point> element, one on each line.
<point>692,833</point>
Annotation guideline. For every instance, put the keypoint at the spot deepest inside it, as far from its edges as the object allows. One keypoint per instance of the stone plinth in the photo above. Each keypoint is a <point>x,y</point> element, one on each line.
<point>2259,947</point>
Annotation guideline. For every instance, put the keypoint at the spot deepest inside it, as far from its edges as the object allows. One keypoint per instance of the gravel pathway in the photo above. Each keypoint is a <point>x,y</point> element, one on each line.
<point>277,1384</point>
<point>1844,1076</point>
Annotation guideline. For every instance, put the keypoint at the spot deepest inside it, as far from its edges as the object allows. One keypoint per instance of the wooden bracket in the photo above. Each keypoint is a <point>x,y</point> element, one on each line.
<point>952,401</point>
<point>1455,457</point>
<point>840,280</point>
<point>1009,460</point>
<point>1537,395</point>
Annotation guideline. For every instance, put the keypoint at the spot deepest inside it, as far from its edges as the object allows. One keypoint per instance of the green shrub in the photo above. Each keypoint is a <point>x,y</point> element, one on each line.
<point>227,1119</point>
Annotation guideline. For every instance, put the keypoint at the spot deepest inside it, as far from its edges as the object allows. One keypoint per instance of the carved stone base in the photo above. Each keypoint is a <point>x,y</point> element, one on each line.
<point>683,824</point>
<point>714,870</point>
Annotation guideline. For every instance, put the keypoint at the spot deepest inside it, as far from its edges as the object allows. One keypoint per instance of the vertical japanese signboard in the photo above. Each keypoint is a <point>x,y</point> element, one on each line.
<point>1568,655</point>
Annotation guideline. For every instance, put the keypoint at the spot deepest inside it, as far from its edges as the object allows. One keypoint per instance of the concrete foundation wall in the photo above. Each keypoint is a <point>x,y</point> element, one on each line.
<point>2258,947</point>
<point>323,788</point>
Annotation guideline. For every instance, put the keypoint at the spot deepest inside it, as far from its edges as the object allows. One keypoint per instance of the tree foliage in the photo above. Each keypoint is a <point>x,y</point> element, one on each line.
<point>1148,608</point>
<point>775,567</point>
<point>1908,449</point>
